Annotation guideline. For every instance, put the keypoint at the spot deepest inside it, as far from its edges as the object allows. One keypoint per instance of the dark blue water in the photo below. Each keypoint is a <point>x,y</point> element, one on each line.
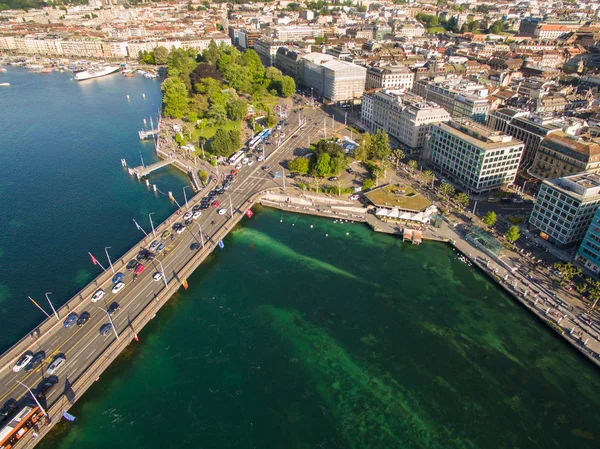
<point>63,191</point>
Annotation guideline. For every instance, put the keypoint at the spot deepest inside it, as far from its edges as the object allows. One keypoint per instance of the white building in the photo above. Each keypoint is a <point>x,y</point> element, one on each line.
<point>565,207</point>
<point>336,81</point>
<point>404,117</point>
<point>296,32</point>
<point>389,76</point>
<point>473,156</point>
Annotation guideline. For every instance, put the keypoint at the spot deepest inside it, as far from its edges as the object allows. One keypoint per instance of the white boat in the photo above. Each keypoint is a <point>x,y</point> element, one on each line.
<point>95,73</point>
<point>4,84</point>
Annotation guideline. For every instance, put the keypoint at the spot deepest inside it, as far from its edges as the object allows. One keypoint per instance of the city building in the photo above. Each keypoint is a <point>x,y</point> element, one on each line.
<point>266,49</point>
<point>524,126</point>
<point>461,98</point>
<point>389,76</point>
<point>473,156</point>
<point>336,81</point>
<point>296,32</point>
<point>289,62</point>
<point>588,254</point>
<point>406,117</point>
<point>565,207</point>
<point>561,154</point>
<point>550,31</point>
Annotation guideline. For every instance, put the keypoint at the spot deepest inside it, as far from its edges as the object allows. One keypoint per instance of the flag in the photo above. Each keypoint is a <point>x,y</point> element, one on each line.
<point>185,284</point>
<point>39,307</point>
<point>68,416</point>
<point>221,244</point>
<point>249,213</point>
<point>94,260</point>
<point>135,337</point>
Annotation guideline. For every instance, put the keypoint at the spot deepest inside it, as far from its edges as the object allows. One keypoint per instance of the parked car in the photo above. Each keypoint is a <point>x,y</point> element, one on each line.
<point>98,295</point>
<point>118,287</point>
<point>196,215</point>
<point>56,364</point>
<point>71,319</point>
<point>354,197</point>
<point>83,318</point>
<point>118,278</point>
<point>333,178</point>
<point>154,245</point>
<point>105,329</point>
<point>23,361</point>
<point>165,235</point>
<point>160,248</point>
<point>187,215</point>
<point>46,386</point>
<point>215,203</point>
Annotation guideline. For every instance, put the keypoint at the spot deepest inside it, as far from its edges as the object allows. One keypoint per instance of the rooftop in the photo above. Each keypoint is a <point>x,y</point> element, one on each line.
<point>562,141</point>
<point>402,197</point>
<point>580,186</point>
<point>478,135</point>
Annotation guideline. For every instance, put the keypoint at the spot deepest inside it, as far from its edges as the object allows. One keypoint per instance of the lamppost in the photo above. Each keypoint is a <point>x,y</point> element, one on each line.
<point>34,398</point>
<point>108,257</point>
<point>162,272</point>
<point>185,197</point>
<point>53,309</point>
<point>201,236</point>
<point>111,322</point>
<point>152,224</point>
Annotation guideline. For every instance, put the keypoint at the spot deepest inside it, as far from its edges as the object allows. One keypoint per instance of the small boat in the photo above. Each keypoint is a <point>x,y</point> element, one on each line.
<point>4,84</point>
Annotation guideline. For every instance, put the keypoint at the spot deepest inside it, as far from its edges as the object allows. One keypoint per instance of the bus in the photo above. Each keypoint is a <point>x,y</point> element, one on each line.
<point>254,142</point>
<point>236,158</point>
<point>19,425</point>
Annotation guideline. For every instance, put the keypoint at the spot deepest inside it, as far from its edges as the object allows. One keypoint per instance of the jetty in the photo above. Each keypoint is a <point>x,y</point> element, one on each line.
<point>148,134</point>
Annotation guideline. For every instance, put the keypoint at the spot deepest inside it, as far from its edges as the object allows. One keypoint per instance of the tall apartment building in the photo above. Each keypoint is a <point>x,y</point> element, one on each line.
<point>561,154</point>
<point>524,126</point>
<point>389,76</point>
<point>565,207</point>
<point>473,156</point>
<point>266,49</point>
<point>461,98</point>
<point>405,117</point>
<point>336,81</point>
<point>588,254</point>
<point>246,38</point>
<point>289,62</point>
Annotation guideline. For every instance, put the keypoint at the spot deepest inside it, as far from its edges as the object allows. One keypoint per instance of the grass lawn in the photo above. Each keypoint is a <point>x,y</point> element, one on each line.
<point>403,197</point>
<point>433,30</point>
<point>207,132</point>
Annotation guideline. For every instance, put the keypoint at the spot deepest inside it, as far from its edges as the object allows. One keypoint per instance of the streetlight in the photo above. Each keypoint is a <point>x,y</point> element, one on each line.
<point>34,398</point>
<point>230,206</point>
<point>108,257</point>
<point>162,272</point>
<point>152,224</point>
<point>53,309</point>
<point>185,197</point>
<point>111,322</point>
<point>201,236</point>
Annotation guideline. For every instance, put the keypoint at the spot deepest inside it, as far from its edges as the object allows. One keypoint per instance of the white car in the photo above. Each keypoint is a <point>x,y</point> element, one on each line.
<point>354,197</point>
<point>154,245</point>
<point>250,162</point>
<point>245,161</point>
<point>238,167</point>
<point>157,276</point>
<point>196,215</point>
<point>22,362</point>
<point>180,229</point>
<point>118,287</point>
<point>98,295</point>
<point>260,159</point>
<point>222,211</point>
<point>55,365</point>
<point>187,215</point>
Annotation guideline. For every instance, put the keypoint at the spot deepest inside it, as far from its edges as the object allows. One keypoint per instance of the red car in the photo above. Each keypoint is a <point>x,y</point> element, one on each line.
<point>215,203</point>
<point>234,172</point>
<point>139,269</point>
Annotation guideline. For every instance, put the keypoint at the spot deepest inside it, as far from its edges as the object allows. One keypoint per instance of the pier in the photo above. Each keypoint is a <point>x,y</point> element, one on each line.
<point>145,170</point>
<point>148,134</point>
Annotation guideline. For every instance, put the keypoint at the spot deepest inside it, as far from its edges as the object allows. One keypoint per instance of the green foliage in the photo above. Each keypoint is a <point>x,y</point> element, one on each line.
<point>286,86</point>
<point>497,27</point>
<point>365,144</point>
<point>427,176</point>
<point>203,177</point>
<point>322,166</point>
<point>490,218</point>
<point>368,184</point>
<point>174,97</point>
<point>566,271</point>
<point>237,109</point>
<point>513,234</point>
<point>413,165</point>
<point>225,143</point>
<point>320,40</point>
<point>299,165</point>
<point>161,55</point>
<point>446,190</point>
<point>398,156</point>
<point>270,119</point>
<point>462,199</point>
<point>179,139</point>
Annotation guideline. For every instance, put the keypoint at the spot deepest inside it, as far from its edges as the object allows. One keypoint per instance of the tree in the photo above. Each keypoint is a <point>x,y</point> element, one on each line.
<point>368,184</point>
<point>203,177</point>
<point>398,156</point>
<point>174,97</point>
<point>462,199</point>
<point>322,166</point>
<point>380,146</point>
<point>287,86</point>
<point>413,165</point>
<point>566,271</point>
<point>427,177</point>
<point>270,119</point>
<point>594,293</point>
<point>237,110</point>
<point>221,143</point>
<point>299,165</point>
<point>513,234</point>
<point>490,218</point>
<point>365,143</point>
<point>161,55</point>
<point>446,191</point>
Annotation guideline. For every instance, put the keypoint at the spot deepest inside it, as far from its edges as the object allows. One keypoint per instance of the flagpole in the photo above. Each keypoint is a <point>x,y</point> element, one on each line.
<point>51,306</point>
<point>39,307</point>
<point>96,261</point>
<point>140,228</point>
<point>35,399</point>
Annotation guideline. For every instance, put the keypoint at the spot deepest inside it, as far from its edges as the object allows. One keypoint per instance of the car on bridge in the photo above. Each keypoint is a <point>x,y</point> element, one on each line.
<point>56,364</point>
<point>157,276</point>
<point>180,229</point>
<point>160,248</point>
<point>165,235</point>
<point>118,287</point>
<point>132,264</point>
<point>46,386</point>
<point>222,211</point>
<point>105,329</point>
<point>196,215</point>
<point>23,361</point>
<point>83,318</point>
<point>139,269</point>
<point>36,361</point>
<point>143,254</point>
<point>187,215</point>
<point>98,295</point>
<point>195,246</point>
<point>215,203</point>
<point>196,207</point>
<point>113,308</point>
<point>71,319</point>
<point>154,245</point>
<point>118,278</point>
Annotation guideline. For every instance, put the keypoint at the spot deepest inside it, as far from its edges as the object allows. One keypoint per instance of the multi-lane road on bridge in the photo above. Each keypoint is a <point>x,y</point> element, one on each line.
<point>81,346</point>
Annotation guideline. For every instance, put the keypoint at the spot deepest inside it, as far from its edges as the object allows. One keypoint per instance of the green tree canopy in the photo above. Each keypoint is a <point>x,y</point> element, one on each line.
<point>299,165</point>
<point>513,234</point>
<point>161,55</point>
<point>237,109</point>
<point>462,199</point>
<point>322,166</point>
<point>490,218</point>
<point>174,97</point>
<point>380,148</point>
